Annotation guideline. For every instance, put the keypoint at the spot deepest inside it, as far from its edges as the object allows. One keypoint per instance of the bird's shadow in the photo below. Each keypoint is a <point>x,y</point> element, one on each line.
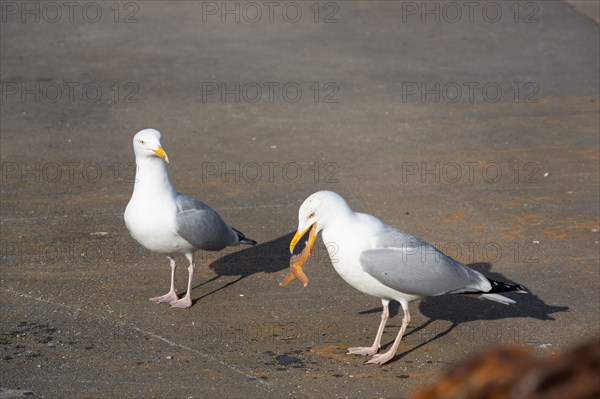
<point>459,309</point>
<point>269,257</point>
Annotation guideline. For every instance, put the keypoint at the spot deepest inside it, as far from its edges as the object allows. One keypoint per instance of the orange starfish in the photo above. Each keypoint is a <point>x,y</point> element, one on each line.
<point>297,261</point>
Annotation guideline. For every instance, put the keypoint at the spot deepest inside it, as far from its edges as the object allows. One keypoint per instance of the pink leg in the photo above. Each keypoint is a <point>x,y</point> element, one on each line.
<point>171,295</point>
<point>186,301</point>
<point>389,355</point>
<point>373,349</point>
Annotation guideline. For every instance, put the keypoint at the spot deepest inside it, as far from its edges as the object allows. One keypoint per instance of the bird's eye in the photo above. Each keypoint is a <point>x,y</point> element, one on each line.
<point>312,215</point>
<point>141,141</point>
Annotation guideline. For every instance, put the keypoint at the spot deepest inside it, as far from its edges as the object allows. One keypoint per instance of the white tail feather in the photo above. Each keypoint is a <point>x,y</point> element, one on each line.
<point>498,298</point>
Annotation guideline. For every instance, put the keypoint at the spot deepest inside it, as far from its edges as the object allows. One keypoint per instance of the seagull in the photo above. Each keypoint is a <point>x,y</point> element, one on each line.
<point>384,262</point>
<point>165,221</point>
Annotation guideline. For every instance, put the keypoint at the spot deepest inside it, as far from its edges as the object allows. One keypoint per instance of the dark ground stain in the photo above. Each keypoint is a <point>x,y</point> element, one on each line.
<point>286,360</point>
<point>17,343</point>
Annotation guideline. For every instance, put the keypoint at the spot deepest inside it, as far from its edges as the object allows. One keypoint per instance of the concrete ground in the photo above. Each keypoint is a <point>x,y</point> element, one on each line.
<point>476,129</point>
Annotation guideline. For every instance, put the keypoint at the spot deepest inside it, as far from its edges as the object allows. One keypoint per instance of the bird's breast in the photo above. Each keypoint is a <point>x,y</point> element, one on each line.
<point>154,226</point>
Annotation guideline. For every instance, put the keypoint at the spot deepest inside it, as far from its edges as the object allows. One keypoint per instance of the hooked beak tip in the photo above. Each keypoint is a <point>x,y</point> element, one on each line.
<point>160,152</point>
<point>299,234</point>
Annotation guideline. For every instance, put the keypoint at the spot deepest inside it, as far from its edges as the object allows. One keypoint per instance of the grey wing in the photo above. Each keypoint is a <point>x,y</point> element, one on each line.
<point>185,202</point>
<point>202,226</point>
<point>413,266</point>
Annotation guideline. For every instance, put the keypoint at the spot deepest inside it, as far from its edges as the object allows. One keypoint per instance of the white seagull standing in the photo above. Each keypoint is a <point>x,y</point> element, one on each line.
<point>387,263</point>
<point>165,221</point>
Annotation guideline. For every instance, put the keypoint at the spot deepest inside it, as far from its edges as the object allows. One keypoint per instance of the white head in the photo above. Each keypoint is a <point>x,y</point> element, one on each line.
<point>147,144</point>
<point>317,211</point>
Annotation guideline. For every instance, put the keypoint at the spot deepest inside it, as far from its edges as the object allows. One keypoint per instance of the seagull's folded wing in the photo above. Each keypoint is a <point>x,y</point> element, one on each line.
<point>417,268</point>
<point>199,224</point>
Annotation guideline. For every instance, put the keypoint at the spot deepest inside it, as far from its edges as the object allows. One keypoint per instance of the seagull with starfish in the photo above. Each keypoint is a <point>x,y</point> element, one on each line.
<point>384,262</point>
<point>165,221</point>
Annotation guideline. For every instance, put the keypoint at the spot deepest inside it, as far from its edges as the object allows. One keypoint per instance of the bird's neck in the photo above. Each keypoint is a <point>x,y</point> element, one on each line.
<point>340,233</point>
<point>342,218</point>
<point>152,179</point>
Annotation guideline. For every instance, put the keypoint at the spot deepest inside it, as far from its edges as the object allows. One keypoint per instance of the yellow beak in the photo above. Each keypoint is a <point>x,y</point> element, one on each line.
<point>311,238</point>
<point>161,154</point>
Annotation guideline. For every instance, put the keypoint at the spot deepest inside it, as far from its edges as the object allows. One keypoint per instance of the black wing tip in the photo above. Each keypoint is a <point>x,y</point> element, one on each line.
<point>248,241</point>
<point>499,286</point>
<point>242,238</point>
